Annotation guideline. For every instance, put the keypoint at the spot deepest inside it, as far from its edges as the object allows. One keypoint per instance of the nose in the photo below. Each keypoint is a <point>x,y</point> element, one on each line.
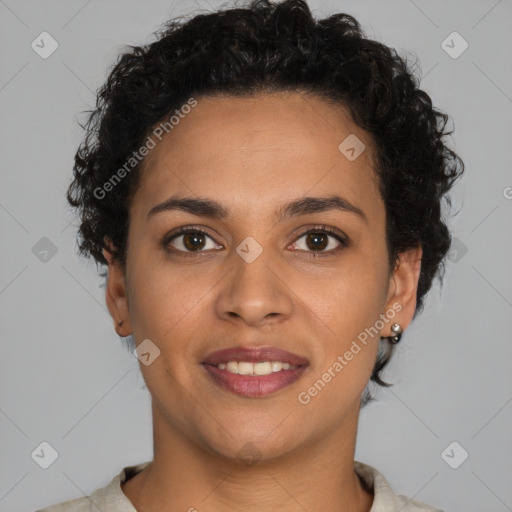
<point>255,293</point>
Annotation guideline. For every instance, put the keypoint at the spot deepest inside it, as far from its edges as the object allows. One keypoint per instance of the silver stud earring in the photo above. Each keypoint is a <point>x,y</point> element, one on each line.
<point>397,331</point>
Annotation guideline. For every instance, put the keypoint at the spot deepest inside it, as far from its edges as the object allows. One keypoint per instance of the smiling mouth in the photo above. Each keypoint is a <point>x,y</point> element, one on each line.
<point>234,377</point>
<point>256,369</point>
<point>254,372</point>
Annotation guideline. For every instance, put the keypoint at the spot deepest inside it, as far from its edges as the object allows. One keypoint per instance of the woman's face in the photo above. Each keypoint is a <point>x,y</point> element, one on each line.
<point>254,278</point>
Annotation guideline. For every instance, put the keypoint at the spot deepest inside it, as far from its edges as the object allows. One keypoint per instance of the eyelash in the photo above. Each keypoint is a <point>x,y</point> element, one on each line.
<point>312,254</point>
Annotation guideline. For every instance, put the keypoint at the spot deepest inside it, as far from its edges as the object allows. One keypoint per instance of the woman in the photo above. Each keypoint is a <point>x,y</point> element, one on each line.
<point>266,191</point>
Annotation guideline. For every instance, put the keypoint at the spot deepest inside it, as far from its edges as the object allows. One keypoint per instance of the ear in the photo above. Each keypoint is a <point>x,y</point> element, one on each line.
<point>403,287</point>
<point>115,293</point>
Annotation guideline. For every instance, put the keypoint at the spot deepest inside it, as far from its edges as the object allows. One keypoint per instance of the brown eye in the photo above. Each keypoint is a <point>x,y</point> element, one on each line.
<point>193,241</point>
<point>317,241</point>
<point>320,240</point>
<point>190,241</point>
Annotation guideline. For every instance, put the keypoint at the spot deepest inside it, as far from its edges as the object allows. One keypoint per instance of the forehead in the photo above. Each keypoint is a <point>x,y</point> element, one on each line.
<point>261,150</point>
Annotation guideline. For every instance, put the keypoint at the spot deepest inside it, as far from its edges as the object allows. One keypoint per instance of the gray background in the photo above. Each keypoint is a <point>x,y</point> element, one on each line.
<point>66,378</point>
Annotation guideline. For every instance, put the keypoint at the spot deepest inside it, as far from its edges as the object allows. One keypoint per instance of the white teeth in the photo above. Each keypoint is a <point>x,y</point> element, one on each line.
<point>263,368</point>
<point>232,367</point>
<point>245,368</point>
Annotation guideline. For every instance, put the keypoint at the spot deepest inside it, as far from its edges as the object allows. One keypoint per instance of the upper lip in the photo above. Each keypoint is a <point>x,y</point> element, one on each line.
<point>254,355</point>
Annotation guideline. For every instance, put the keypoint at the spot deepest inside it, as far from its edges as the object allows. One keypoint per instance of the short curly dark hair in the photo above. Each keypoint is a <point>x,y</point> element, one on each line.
<point>267,47</point>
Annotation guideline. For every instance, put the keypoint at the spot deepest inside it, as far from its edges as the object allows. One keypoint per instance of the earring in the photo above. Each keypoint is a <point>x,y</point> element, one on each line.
<point>397,331</point>
<point>120,322</point>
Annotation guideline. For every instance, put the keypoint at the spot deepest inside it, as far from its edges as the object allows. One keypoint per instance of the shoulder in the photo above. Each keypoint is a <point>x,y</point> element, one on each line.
<point>77,505</point>
<point>110,497</point>
<point>105,498</point>
<point>385,499</point>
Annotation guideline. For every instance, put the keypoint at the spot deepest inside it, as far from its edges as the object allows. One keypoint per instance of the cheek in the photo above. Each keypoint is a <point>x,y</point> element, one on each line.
<point>347,311</point>
<point>162,294</point>
<point>352,299</point>
<point>346,352</point>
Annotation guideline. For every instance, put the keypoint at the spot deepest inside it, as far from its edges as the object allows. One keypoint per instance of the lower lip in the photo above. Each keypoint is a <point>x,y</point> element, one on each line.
<point>254,386</point>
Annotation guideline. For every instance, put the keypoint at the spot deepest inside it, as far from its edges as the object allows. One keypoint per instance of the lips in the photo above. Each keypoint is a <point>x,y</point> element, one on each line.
<point>254,385</point>
<point>251,386</point>
<point>255,355</point>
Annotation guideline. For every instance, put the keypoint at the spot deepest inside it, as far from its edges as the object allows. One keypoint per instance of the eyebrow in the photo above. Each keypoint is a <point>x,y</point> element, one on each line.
<point>205,207</point>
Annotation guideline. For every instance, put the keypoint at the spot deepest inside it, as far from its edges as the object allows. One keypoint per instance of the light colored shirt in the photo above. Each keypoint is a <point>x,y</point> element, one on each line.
<point>112,499</point>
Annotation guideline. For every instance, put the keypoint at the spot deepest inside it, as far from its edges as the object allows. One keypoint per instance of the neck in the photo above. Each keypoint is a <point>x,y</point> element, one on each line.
<point>313,476</point>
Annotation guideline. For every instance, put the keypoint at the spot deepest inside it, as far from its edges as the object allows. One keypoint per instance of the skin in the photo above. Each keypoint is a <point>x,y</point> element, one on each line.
<point>253,155</point>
